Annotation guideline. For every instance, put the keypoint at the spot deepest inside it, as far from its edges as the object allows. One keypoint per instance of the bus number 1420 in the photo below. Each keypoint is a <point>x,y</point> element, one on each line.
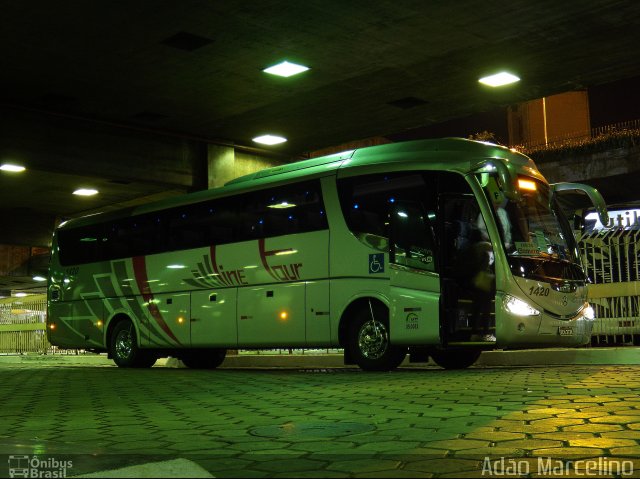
<point>538,291</point>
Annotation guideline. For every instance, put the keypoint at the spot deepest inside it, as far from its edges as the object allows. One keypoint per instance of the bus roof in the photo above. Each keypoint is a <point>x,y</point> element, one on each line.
<point>456,154</point>
<point>452,154</point>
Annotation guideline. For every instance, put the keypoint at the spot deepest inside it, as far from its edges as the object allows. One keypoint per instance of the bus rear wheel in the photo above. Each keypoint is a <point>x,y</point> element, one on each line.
<point>203,358</point>
<point>368,341</point>
<point>124,350</point>
<point>455,358</point>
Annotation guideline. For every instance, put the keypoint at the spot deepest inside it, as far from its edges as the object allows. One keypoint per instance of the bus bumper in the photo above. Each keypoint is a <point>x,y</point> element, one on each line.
<point>542,330</point>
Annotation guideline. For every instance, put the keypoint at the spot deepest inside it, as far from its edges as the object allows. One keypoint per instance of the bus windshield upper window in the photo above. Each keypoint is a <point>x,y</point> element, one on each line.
<point>531,225</point>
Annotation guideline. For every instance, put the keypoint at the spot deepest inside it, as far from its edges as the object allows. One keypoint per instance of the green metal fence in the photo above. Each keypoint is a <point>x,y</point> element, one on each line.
<point>23,325</point>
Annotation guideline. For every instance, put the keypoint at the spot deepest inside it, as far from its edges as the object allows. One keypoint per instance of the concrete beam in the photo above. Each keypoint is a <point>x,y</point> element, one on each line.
<point>27,227</point>
<point>23,260</point>
<point>585,167</point>
<point>50,142</point>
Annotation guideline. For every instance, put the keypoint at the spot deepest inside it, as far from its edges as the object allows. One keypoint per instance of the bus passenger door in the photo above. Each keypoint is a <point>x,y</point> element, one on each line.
<point>461,239</point>
<point>213,318</point>
<point>415,282</point>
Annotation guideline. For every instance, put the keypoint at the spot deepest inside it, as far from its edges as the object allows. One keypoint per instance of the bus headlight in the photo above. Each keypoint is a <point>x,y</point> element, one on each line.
<point>589,313</point>
<point>518,307</point>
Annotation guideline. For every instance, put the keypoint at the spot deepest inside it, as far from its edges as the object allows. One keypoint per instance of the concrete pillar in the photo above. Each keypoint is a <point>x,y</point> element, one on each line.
<point>545,120</point>
<point>226,163</point>
<point>221,165</point>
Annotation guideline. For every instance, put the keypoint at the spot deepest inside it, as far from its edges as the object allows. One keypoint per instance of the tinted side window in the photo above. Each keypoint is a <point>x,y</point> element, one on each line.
<point>81,245</point>
<point>449,182</point>
<point>290,209</point>
<point>135,236</point>
<point>412,237</point>
<point>367,201</point>
<point>202,224</point>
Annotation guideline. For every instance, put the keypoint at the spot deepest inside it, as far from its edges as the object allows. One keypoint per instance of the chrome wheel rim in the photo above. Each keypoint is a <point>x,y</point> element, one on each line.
<point>124,344</point>
<point>373,339</point>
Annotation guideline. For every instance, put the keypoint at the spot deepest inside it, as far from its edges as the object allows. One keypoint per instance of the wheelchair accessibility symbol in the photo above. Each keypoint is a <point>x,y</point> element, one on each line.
<point>376,263</point>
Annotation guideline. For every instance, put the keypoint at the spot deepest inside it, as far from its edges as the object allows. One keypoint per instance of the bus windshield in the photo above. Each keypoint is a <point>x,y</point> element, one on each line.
<point>533,228</point>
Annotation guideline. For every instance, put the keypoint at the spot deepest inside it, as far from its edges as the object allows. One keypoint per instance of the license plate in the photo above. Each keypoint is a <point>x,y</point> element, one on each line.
<point>565,331</point>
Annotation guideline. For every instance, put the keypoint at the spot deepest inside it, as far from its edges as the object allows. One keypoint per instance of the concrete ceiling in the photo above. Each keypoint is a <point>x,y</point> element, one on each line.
<point>192,69</point>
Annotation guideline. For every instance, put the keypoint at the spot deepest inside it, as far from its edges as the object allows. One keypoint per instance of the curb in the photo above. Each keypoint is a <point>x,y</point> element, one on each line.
<point>537,357</point>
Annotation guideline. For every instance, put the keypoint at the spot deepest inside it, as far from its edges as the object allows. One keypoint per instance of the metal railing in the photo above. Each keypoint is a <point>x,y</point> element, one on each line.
<point>612,262</point>
<point>23,325</point>
<point>610,136</point>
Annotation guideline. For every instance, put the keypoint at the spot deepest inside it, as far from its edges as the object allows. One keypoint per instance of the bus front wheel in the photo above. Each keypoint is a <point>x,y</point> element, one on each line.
<point>368,342</point>
<point>203,358</point>
<point>455,358</point>
<point>124,348</point>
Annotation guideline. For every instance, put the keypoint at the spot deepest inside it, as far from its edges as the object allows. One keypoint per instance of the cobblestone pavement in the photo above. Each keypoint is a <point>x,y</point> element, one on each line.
<point>480,422</point>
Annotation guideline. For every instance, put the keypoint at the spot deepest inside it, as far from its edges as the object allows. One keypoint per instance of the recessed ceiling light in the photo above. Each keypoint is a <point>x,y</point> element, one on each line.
<point>499,79</point>
<point>286,69</point>
<point>85,192</point>
<point>269,139</point>
<point>39,278</point>
<point>12,168</point>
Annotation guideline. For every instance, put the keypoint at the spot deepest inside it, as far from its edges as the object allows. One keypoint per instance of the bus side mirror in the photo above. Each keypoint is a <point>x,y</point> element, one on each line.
<point>507,183</point>
<point>593,194</point>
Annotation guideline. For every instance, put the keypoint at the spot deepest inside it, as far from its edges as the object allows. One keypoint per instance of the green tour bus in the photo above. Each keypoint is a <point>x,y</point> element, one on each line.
<point>432,248</point>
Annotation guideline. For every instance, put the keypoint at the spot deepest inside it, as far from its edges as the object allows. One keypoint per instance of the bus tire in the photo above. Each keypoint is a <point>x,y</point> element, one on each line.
<point>455,358</point>
<point>123,348</point>
<point>368,340</point>
<point>203,358</point>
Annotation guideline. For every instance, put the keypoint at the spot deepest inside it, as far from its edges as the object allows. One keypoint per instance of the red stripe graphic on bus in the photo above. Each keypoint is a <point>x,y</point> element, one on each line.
<point>140,271</point>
